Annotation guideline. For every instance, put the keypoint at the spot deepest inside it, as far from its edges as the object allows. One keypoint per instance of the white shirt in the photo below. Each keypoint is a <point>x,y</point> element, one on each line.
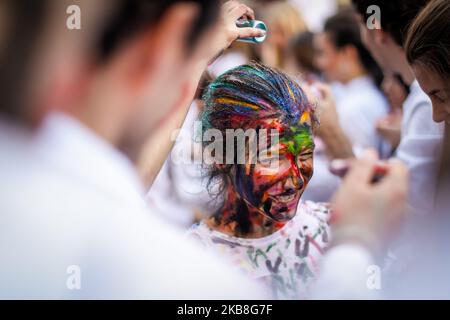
<point>74,225</point>
<point>359,107</point>
<point>419,148</point>
<point>348,271</point>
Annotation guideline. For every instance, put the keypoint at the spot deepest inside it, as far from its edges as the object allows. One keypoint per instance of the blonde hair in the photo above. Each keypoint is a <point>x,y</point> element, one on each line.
<point>285,21</point>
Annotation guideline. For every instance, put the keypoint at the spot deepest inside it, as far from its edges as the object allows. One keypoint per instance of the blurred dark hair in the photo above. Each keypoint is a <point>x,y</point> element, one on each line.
<point>343,30</point>
<point>24,22</point>
<point>133,16</point>
<point>428,39</point>
<point>396,16</point>
<point>301,47</point>
<point>26,19</point>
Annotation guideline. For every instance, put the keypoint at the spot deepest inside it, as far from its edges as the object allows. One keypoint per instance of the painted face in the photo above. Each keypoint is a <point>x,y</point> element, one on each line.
<point>438,91</point>
<point>275,190</point>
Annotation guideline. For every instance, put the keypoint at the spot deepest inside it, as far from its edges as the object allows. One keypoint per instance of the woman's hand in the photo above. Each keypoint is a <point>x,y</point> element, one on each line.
<point>337,143</point>
<point>389,127</point>
<point>366,212</point>
<point>227,32</point>
<point>326,106</point>
<point>231,12</point>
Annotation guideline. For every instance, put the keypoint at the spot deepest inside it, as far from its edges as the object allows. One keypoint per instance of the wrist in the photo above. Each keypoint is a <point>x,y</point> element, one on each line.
<point>354,234</point>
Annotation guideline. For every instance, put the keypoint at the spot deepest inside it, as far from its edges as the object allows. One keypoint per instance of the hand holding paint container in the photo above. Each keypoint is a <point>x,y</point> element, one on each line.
<point>241,23</point>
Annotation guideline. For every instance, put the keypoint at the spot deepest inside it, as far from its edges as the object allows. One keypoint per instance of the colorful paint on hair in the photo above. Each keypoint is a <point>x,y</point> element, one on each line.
<point>255,96</point>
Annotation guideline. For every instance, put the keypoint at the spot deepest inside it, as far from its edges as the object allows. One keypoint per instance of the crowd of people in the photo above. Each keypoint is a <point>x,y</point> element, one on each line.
<point>123,174</point>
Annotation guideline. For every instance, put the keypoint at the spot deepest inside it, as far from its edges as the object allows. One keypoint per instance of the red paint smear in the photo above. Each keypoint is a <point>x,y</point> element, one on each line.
<point>293,164</point>
<point>279,225</point>
<point>277,125</point>
<point>315,244</point>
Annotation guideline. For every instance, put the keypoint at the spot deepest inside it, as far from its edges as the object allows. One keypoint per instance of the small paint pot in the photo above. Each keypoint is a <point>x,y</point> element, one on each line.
<point>252,24</point>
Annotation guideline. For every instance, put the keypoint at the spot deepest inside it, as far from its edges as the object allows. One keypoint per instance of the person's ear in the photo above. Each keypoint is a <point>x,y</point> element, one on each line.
<point>380,37</point>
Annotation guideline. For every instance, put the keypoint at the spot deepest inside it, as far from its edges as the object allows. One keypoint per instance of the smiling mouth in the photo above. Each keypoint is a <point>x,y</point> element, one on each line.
<point>287,196</point>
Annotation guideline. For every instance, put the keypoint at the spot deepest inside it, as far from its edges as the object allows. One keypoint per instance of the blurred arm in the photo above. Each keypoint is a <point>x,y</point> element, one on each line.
<point>157,149</point>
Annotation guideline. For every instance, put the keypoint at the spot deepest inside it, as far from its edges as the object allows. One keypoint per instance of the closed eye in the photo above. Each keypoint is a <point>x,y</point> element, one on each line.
<point>440,95</point>
<point>305,155</point>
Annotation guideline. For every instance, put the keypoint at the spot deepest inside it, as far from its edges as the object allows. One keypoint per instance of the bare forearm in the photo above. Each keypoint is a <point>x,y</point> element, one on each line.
<point>338,144</point>
<point>158,148</point>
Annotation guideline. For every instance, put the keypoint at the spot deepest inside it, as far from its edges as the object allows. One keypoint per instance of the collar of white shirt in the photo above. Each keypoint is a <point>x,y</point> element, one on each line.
<point>75,152</point>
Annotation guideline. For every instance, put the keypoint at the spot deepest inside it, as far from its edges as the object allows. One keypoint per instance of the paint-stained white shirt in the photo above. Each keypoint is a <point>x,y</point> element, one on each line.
<point>287,261</point>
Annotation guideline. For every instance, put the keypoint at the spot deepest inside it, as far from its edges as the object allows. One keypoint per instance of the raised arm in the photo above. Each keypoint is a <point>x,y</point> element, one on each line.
<point>157,149</point>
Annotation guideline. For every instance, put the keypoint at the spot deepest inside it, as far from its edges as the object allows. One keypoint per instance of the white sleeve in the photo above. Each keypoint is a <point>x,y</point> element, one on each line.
<point>348,272</point>
<point>419,149</point>
<point>136,257</point>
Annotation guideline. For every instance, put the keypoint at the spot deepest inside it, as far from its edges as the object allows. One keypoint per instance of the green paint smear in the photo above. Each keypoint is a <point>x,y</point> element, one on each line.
<point>297,139</point>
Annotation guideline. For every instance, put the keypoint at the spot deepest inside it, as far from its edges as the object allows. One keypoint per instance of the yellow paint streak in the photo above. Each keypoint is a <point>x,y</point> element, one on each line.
<point>290,92</point>
<point>305,117</point>
<point>236,102</point>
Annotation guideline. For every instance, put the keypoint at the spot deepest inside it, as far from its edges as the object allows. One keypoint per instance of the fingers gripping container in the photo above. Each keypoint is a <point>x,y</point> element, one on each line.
<point>252,24</point>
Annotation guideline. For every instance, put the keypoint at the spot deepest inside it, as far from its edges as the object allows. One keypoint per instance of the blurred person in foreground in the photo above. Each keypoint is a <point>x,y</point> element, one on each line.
<point>74,223</point>
<point>389,126</point>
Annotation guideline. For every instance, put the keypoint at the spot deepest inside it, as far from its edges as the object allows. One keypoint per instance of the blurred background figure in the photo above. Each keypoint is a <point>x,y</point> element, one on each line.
<point>316,13</point>
<point>425,260</point>
<point>300,57</point>
<point>344,62</point>
<point>421,138</point>
<point>389,127</point>
<point>284,21</point>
